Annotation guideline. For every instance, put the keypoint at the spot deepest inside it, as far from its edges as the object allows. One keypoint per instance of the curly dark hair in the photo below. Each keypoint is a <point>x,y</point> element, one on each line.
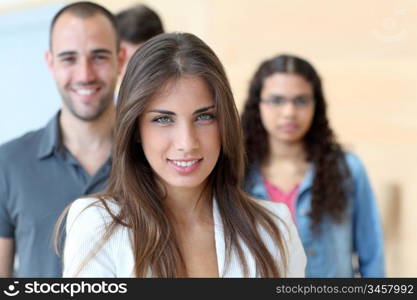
<point>332,179</point>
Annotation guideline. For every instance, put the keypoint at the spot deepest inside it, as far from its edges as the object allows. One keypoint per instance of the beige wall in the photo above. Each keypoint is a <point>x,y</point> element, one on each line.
<point>366,52</point>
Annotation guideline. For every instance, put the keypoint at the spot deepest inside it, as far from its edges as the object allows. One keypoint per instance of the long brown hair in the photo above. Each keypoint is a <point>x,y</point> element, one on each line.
<point>331,177</point>
<point>132,183</point>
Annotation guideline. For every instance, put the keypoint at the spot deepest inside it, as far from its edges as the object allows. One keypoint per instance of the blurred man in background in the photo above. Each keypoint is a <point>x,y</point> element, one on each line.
<point>44,170</point>
<point>136,25</point>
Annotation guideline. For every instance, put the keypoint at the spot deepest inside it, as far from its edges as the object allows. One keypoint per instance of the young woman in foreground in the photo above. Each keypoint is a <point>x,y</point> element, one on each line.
<point>295,159</point>
<point>174,206</point>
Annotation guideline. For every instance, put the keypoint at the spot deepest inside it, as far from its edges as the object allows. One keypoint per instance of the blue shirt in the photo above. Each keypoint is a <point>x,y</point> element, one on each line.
<point>38,179</point>
<point>331,252</point>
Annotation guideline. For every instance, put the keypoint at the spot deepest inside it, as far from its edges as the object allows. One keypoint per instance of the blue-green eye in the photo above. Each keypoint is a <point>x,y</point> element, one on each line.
<point>162,120</point>
<point>205,117</point>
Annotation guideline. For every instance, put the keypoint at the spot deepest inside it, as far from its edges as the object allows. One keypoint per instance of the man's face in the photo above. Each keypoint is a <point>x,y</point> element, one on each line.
<point>85,64</point>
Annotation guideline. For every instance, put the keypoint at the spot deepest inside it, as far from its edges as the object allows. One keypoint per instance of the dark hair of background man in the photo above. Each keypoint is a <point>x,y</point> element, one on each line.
<point>84,9</point>
<point>138,24</point>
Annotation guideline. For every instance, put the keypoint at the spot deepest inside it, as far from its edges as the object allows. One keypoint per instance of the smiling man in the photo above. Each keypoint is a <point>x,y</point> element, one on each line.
<point>44,170</point>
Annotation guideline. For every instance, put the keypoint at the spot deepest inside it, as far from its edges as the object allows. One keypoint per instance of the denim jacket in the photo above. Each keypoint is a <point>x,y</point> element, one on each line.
<point>330,253</point>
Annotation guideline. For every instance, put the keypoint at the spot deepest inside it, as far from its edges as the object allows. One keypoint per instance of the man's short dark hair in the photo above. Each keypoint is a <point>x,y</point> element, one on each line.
<point>84,9</point>
<point>138,24</point>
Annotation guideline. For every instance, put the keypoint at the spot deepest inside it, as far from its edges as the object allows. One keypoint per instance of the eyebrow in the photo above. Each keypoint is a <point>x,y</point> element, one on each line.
<point>64,53</point>
<point>95,51</point>
<point>278,96</point>
<point>203,109</point>
<point>275,96</point>
<point>98,51</point>
<point>167,112</point>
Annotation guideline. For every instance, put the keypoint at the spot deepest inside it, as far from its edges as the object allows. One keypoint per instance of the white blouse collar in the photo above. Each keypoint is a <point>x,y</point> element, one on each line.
<point>219,238</point>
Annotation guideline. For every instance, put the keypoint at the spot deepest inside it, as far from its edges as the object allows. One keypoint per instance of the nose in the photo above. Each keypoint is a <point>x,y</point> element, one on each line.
<point>186,138</point>
<point>288,109</point>
<point>85,72</point>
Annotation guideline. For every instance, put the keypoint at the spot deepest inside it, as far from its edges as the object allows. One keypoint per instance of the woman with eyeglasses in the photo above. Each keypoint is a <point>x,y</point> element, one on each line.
<point>294,158</point>
<point>174,205</point>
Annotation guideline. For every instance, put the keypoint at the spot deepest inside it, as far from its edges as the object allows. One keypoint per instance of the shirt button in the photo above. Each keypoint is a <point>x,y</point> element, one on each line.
<point>311,252</point>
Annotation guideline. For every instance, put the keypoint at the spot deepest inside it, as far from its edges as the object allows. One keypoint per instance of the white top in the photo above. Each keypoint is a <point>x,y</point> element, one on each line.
<point>86,226</point>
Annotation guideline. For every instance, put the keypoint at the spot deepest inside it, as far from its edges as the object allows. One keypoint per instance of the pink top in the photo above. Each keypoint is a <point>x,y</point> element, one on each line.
<point>278,195</point>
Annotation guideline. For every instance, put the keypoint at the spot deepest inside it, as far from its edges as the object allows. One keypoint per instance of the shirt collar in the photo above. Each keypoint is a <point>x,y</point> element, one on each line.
<point>308,179</point>
<point>51,138</point>
<point>257,187</point>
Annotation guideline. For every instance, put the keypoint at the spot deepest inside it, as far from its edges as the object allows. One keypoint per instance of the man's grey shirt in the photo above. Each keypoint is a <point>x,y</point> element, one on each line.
<point>38,179</point>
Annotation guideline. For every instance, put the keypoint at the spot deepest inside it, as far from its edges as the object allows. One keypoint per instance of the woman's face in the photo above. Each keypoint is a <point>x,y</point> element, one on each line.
<point>179,133</point>
<point>286,107</point>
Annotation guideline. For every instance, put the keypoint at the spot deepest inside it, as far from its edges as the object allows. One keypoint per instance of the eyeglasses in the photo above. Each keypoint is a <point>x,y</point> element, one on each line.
<point>298,102</point>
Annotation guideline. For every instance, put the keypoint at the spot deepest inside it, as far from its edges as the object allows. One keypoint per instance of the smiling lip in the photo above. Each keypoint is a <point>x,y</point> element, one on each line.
<point>86,93</point>
<point>290,127</point>
<point>185,166</point>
